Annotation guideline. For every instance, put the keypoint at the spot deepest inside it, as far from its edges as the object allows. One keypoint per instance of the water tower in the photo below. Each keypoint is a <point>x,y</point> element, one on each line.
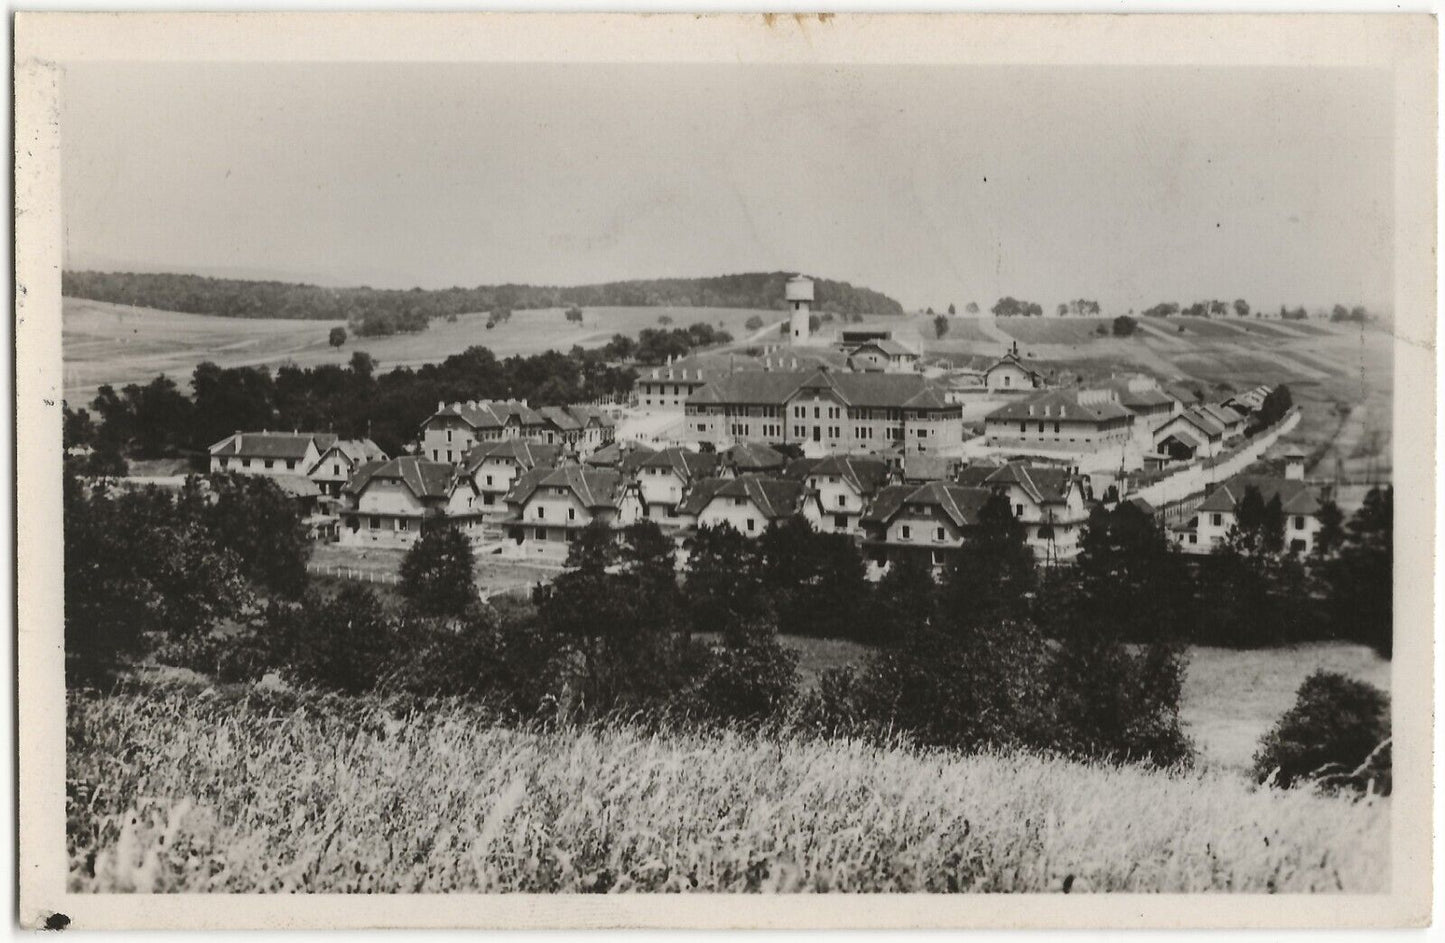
<point>799,294</point>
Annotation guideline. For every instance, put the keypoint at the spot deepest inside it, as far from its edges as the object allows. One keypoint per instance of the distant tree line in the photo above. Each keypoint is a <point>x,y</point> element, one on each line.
<point>158,419</point>
<point>656,345</point>
<point>374,311</point>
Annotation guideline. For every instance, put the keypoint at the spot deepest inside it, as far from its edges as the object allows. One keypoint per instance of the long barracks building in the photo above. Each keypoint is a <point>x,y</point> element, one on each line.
<point>824,411</point>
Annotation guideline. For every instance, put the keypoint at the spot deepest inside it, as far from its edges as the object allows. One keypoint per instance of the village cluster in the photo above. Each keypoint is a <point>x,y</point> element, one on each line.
<point>853,433</point>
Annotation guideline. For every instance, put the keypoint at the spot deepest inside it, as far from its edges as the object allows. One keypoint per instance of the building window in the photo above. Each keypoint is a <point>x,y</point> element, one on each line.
<point>1299,523</point>
<point>1216,519</point>
<point>401,523</point>
<point>1194,538</point>
<point>840,521</point>
<point>269,463</point>
<point>1018,510</point>
<point>842,500</point>
<point>751,525</point>
<point>571,514</point>
<point>375,523</point>
<point>1297,546</point>
<point>541,533</point>
<point>540,513</point>
<point>938,534</point>
<point>905,531</point>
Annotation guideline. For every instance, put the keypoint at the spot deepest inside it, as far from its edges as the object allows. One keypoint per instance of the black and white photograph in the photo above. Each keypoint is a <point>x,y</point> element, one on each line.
<point>723,470</point>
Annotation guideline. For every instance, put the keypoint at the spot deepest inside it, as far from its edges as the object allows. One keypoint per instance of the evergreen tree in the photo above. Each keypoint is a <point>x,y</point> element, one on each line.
<point>1360,578</point>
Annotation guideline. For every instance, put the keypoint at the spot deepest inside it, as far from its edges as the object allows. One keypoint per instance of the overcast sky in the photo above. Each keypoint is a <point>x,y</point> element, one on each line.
<point>934,185</point>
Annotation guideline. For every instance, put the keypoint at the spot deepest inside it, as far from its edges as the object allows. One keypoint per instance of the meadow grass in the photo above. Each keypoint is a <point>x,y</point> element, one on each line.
<point>171,791</point>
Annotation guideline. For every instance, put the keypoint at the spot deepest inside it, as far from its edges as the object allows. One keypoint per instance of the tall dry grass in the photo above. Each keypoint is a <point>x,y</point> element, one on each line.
<point>170,792</point>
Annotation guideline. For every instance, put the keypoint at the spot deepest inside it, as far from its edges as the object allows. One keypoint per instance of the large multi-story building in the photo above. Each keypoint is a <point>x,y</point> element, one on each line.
<point>1064,421</point>
<point>826,411</point>
<point>450,432</point>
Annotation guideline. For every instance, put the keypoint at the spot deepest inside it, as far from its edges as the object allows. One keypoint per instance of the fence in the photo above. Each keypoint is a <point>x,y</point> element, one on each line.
<point>1189,483</point>
<point>352,573</point>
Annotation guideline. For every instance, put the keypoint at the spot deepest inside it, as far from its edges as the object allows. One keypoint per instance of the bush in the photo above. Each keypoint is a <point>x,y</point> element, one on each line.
<point>754,323</point>
<point>346,643</point>
<point>1336,735</point>
<point>750,678</point>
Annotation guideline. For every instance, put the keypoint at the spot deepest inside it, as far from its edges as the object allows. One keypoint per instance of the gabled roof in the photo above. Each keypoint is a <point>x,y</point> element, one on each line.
<point>864,475</point>
<point>1060,405</point>
<point>1011,359</point>
<point>627,456</point>
<point>1141,505</point>
<point>524,453</point>
<point>960,503</point>
<point>1044,484</point>
<point>886,346</point>
<point>773,497</point>
<point>752,457</point>
<point>1185,436</point>
<point>683,463</point>
<point>1224,415</point>
<point>923,466</point>
<point>558,417</point>
<point>423,478</point>
<point>594,487</point>
<point>1294,495</point>
<point>1184,394</point>
<point>1148,397</point>
<point>288,445</point>
<point>1201,420</point>
<point>359,450</point>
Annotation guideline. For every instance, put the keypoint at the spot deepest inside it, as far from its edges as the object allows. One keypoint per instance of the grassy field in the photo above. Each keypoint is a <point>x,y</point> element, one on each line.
<point>493,574</point>
<point>118,344</point>
<point>1231,697</point>
<point>225,796</point>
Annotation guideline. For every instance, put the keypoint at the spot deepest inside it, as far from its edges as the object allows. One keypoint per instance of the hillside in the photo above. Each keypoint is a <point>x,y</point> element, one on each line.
<point>413,309</point>
<point>116,344</point>
<point>230,795</point>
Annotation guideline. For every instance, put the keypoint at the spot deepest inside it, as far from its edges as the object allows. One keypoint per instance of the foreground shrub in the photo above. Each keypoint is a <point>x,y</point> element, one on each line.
<point>751,677</point>
<point>1337,735</point>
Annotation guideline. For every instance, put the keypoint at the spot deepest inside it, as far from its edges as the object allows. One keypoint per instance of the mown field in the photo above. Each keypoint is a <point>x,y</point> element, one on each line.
<point>118,344</point>
<point>224,795</point>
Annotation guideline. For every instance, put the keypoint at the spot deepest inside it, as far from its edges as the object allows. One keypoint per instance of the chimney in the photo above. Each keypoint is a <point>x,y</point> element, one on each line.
<point>1294,467</point>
